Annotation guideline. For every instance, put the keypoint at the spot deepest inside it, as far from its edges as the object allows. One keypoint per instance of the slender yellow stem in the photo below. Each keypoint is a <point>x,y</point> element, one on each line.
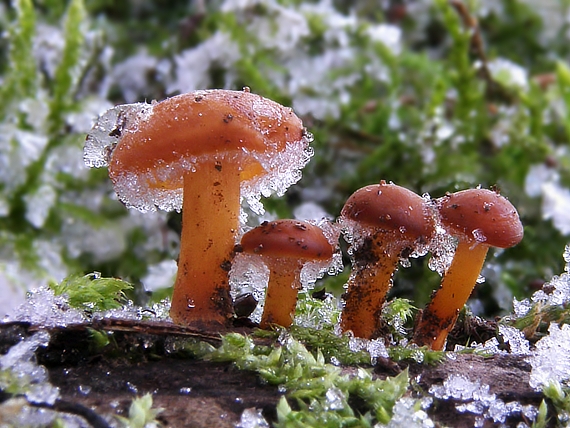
<point>439,317</point>
<point>282,290</point>
<point>366,294</point>
<point>210,220</point>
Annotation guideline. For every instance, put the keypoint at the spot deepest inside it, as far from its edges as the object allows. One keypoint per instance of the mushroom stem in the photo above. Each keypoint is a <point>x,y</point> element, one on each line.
<point>366,294</point>
<point>281,297</point>
<point>458,282</point>
<point>202,292</point>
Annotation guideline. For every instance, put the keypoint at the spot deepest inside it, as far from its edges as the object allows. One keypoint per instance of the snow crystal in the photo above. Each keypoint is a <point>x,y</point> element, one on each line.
<point>443,247</point>
<point>335,399</point>
<point>410,413</point>
<point>283,170</point>
<point>560,294</point>
<point>375,347</point>
<point>515,338</point>
<point>317,314</point>
<point>475,397</point>
<point>551,359</point>
<point>249,275</point>
<point>521,308</point>
<point>20,361</point>
<point>43,308</point>
<point>459,387</point>
<point>490,347</point>
<point>252,418</point>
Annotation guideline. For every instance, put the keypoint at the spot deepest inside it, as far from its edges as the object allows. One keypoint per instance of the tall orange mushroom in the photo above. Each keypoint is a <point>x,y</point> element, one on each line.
<point>201,152</point>
<point>285,246</point>
<point>384,223</point>
<point>479,219</point>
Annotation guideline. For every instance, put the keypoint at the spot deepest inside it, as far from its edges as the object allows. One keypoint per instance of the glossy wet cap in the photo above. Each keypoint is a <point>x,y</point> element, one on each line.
<point>481,215</point>
<point>390,208</point>
<point>201,123</point>
<point>288,239</point>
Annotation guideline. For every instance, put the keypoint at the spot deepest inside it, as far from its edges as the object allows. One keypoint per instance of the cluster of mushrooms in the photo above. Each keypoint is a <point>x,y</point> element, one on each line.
<point>206,149</point>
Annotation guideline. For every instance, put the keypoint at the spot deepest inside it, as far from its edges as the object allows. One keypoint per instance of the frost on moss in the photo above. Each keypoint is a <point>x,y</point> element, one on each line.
<point>308,380</point>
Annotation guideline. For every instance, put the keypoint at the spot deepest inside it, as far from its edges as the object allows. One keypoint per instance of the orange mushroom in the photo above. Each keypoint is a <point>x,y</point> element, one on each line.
<point>285,246</point>
<point>202,152</point>
<point>384,223</point>
<point>479,219</point>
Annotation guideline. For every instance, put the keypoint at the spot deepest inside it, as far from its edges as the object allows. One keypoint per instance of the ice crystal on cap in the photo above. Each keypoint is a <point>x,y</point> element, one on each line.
<point>108,130</point>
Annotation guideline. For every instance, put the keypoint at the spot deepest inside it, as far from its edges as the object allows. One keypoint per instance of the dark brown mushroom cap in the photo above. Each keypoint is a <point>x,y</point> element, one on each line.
<point>481,215</point>
<point>390,208</point>
<point>288,239</point>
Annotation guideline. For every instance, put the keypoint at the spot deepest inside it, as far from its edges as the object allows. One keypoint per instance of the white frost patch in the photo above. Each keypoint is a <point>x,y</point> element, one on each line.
<point>132,75</point>
<point>192,67</point>
<point>508,73</point>
<point>556,206</point>
<point>389,35</point>
<point>536,177</point>
<point>252,418</point>
<point>551,359</point>
<point>39,203</point>
<point>160,275</point>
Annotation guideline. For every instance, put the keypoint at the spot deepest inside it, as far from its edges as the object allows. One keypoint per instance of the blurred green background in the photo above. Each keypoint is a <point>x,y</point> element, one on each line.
<point>436,96</point>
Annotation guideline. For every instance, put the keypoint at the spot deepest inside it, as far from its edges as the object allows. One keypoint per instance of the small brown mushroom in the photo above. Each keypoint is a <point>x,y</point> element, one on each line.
<point>202,152</point>
<point>384,223</point>
<point>479,219</point>
<point>285,246</point>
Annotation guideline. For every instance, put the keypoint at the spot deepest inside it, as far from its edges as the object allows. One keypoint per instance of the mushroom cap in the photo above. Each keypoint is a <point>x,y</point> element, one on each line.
<point>292,239</point>
<point>481,215</point>
<point>389,208</point>
<point>150,147</point>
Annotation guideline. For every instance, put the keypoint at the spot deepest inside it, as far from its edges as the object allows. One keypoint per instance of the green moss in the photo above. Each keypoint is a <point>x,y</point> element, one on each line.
<point>92,293</point>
